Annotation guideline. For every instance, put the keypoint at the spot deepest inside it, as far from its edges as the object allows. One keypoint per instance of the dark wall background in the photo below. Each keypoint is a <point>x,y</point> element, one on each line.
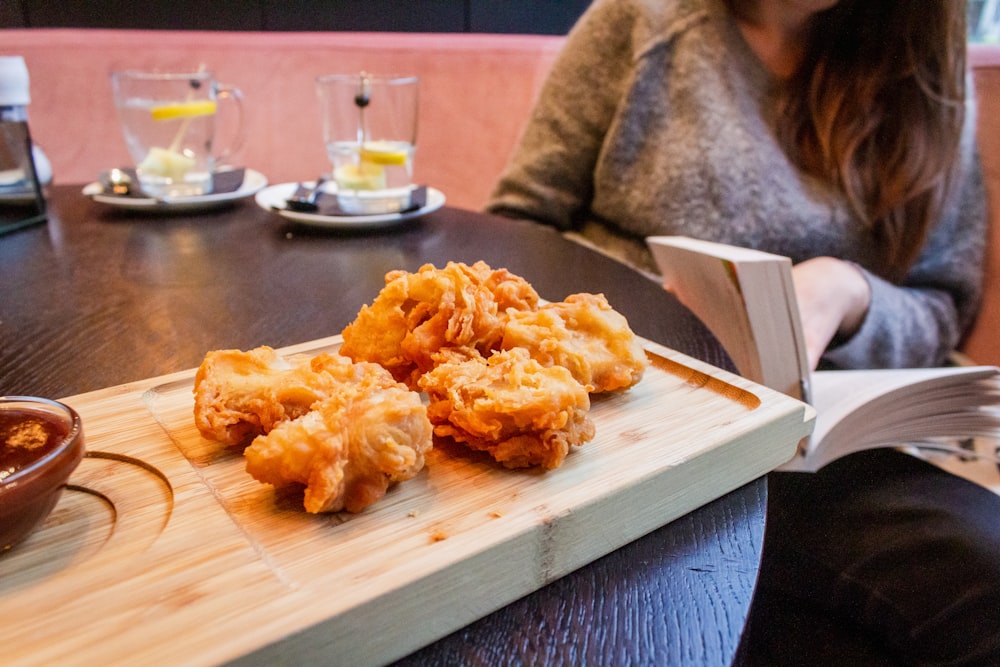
<point>548,17</point>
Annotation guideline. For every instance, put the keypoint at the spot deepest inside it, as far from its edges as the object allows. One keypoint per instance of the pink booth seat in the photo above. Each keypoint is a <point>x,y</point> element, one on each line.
<point>983,342</point>
<point>476,93</point>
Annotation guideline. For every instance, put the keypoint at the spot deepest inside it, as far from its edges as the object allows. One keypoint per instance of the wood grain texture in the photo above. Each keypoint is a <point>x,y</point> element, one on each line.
<point>234,567</point>
<point>100,298</point>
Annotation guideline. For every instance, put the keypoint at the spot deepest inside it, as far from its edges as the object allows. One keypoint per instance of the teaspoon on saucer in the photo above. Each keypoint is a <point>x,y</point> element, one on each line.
<point>116,181</point>
<point>306,202</point>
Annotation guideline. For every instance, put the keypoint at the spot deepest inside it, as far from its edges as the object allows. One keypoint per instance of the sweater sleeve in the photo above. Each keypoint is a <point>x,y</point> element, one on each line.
<point>919,322</point>
<point>550,176</point>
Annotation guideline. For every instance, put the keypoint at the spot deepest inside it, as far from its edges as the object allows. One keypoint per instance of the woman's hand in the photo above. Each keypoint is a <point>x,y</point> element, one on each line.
<point>833,300</point>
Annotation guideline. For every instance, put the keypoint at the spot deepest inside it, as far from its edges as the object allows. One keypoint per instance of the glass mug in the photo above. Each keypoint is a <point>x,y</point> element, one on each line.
<point>169,123</point>
<point>370,133</point>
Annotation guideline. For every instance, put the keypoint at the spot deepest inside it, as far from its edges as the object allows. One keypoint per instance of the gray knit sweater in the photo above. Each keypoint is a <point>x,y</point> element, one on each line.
<point>654,120</point>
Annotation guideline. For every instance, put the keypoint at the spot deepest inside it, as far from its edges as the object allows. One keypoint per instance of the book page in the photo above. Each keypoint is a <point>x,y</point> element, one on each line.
<point>865,409</point>
<point>747,299</point>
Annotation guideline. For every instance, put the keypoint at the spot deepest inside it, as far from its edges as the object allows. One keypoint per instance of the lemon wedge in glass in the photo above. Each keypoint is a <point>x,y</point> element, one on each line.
<point>166,163</point>
<point>390,153</point>
<point>362,176</point>
<point>183,109</point>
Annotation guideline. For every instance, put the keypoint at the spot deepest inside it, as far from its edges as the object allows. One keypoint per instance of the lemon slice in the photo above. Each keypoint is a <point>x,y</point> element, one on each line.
<point>384,153</point>
<point>360,177</point>
<point>183,109</point>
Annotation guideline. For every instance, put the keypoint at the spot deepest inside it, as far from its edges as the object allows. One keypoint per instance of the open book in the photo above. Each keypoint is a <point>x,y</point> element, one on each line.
<point>746,298</point>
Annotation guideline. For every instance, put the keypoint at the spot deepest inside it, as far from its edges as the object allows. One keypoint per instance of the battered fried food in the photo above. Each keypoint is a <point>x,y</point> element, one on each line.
<point>346,430</point>
<point>583,334</point>
<point>504,376</point>
<point>509,405</point>
<point>417,314</point>
<point>239,395</point>
<point>348,449</point>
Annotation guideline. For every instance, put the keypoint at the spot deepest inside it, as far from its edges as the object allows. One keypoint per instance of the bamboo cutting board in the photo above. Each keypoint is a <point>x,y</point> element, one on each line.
<point>163,546</point>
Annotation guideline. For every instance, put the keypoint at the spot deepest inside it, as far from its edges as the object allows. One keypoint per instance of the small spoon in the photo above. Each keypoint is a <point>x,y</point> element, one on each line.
<point>306,203</point>
<point>117,182</point>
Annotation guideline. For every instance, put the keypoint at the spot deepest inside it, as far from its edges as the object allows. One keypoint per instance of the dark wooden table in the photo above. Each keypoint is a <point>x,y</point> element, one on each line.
<point>100,296</point>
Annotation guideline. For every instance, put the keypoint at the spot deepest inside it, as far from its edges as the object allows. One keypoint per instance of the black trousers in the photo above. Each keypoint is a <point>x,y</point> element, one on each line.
<point>878,559</point>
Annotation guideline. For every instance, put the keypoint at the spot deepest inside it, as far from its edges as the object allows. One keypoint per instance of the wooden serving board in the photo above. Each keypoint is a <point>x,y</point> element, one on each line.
<point>164,546</point>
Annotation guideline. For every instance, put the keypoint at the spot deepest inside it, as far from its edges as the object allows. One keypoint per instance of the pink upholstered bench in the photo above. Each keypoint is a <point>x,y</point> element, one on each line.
<point>476,93</point>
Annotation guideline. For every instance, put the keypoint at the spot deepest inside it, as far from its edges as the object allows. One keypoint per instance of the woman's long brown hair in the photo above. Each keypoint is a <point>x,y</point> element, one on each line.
<point>876,107</point>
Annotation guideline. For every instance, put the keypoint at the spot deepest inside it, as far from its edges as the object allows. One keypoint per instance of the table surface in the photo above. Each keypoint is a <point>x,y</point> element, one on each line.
<point>99,296</point>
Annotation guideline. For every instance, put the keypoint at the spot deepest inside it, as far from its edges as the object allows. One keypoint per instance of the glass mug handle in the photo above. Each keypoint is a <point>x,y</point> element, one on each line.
<point>233,94</point>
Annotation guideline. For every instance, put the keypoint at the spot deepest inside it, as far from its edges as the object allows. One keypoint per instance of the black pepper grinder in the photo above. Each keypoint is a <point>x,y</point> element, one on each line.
<point>22,201</point>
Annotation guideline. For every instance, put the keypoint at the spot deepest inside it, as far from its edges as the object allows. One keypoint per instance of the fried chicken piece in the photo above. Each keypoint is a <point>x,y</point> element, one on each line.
<point>349,448</point>
<point>239,395</point>
<point>522,413</point>
<point>583,334</point>
<point>417,314</point>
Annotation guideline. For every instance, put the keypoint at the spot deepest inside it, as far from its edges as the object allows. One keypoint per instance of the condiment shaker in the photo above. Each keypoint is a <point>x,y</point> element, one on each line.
<point>22,201</point>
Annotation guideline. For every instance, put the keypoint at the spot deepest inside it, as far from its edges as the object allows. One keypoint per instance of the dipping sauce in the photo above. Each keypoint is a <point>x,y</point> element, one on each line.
<point>26,436</point>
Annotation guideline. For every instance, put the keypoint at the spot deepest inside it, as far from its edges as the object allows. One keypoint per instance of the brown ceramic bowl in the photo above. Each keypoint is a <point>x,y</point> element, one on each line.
<point>41,444</point>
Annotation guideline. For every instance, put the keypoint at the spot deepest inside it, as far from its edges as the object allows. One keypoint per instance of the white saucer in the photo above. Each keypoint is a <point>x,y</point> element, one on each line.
<point>273,199</point>
<point>253,182</point>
